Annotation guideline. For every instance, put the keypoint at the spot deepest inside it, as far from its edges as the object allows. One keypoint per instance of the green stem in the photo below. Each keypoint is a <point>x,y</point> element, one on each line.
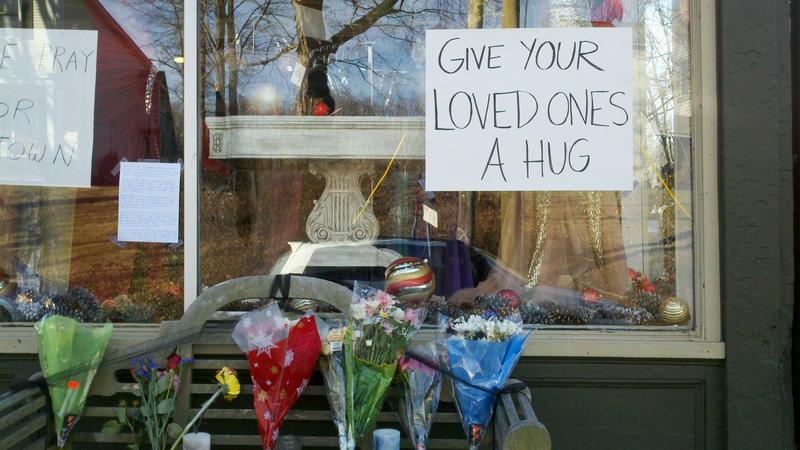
<point>197,416</point>
<point>168,415</point>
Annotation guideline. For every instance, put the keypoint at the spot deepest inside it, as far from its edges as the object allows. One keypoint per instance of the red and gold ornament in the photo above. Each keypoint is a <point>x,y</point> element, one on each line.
<point>410,280</point>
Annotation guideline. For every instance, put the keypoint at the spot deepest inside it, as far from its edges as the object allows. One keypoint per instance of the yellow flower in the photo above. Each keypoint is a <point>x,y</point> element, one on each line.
<point>227,378</point>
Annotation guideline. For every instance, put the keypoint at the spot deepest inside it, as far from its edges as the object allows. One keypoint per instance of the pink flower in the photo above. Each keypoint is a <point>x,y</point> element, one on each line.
<point>412,316</point>
<point>384,299</point>
<point>387,327</point>
<point>176,382</point>
<point>407,364</point>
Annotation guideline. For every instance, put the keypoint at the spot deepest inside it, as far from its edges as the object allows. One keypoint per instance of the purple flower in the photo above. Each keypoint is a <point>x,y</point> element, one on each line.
<point>141,367</point>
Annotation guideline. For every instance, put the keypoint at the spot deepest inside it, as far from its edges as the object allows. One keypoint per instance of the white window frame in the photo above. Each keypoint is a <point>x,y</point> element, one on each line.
<point>704,341</point>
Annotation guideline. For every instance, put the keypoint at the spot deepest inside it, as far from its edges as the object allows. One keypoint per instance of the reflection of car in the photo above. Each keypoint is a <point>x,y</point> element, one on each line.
<point>462,273</point>
<point>455,265</point>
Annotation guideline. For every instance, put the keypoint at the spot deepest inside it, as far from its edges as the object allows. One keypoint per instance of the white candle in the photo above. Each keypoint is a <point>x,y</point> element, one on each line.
<point>386,439</point>
<point>197,441</point>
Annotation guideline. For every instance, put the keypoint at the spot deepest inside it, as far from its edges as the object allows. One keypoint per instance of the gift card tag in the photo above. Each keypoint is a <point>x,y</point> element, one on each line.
<point>298,73</point>
<point>430,216</point>
<point>336,347</point>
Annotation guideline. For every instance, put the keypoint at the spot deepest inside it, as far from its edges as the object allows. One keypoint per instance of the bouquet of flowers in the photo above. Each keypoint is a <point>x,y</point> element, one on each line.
<point>282,356</point>
<point>69,353</point>
<point>156,389</point>
<point>331,364</point>
<point>421,388</point>
<point>481,353</point>
<point>379,332</point>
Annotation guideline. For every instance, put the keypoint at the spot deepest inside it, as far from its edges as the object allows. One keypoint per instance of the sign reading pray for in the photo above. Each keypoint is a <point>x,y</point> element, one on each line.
<point>47,88</point>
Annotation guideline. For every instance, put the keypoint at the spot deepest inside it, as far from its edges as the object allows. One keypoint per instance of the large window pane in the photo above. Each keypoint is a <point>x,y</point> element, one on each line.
<point>306,102</point>
<point>59,246</point>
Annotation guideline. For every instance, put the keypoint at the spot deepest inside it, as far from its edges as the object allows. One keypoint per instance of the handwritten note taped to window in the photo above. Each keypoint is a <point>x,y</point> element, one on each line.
<point>47,87</point>
<point>529,109</point>
<point>149,202</point>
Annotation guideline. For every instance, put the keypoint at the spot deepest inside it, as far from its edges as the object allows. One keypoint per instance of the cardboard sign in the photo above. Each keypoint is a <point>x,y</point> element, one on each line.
<point>47,87</point>
<point>529,109</point>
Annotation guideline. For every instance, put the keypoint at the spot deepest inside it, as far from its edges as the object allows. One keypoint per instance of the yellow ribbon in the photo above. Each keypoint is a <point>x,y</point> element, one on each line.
<point>672,195</point>
<point>377,185</point>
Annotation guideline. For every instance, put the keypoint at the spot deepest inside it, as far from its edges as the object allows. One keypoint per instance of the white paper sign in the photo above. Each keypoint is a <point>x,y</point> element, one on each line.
<point>529,109</point>
<point>47,86</point>
<point>149,196</point>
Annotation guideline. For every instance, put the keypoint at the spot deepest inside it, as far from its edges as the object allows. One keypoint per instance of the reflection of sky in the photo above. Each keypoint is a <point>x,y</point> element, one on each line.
<point>133,17</point>
<point>133,24</point>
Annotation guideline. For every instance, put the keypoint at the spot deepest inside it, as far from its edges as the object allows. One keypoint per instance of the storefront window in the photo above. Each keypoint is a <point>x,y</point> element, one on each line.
<point>59,246</point>
<point>313,125</point>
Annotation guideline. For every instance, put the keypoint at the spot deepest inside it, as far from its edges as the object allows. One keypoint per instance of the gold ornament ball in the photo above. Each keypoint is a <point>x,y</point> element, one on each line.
<point>674,311</point>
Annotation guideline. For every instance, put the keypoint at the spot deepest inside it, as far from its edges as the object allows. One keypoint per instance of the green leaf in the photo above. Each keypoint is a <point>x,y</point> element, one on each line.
<point>165,406</point>
<point>133,446</point>
<point>122,414</point>
<point>163,384</point>
<point>111,427</point>
<point>174,430</point>
<point>145,412</point>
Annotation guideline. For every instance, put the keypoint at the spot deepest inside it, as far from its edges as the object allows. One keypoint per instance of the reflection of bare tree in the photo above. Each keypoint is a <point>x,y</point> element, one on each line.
<point>245,43</point>
<point>165,30</point>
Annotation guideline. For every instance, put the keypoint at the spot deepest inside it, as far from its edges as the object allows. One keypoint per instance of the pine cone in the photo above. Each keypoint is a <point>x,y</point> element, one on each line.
<point>136,313</point>
<point>79,304</point>
<point>664,286</point>
<point>613,314</point>
<point>32,306</point>
<point>434,307</point>
<point>497,305</point>
<point>649,301</point>
<point>454,312</point>
<point>568,314</point>
<point>533,313</point>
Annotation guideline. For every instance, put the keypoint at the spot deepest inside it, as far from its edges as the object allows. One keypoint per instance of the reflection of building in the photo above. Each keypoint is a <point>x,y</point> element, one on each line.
<point>52,230</point>
<point>133,117</point>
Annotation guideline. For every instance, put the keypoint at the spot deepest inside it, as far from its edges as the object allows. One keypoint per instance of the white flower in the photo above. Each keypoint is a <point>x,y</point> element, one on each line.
<point>508,328</point>
<point>397,314</point>
<point>358,311</point>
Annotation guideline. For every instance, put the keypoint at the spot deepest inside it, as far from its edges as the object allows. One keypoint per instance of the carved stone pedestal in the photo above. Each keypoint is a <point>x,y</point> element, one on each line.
<point>337,215</point>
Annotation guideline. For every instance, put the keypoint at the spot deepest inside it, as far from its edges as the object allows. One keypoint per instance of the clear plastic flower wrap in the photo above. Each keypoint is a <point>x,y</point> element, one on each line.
<point>422,387</point>
<point>282,355</point>
<point>331,364</point>
<point>379,332</point>
<point>481,352</point>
